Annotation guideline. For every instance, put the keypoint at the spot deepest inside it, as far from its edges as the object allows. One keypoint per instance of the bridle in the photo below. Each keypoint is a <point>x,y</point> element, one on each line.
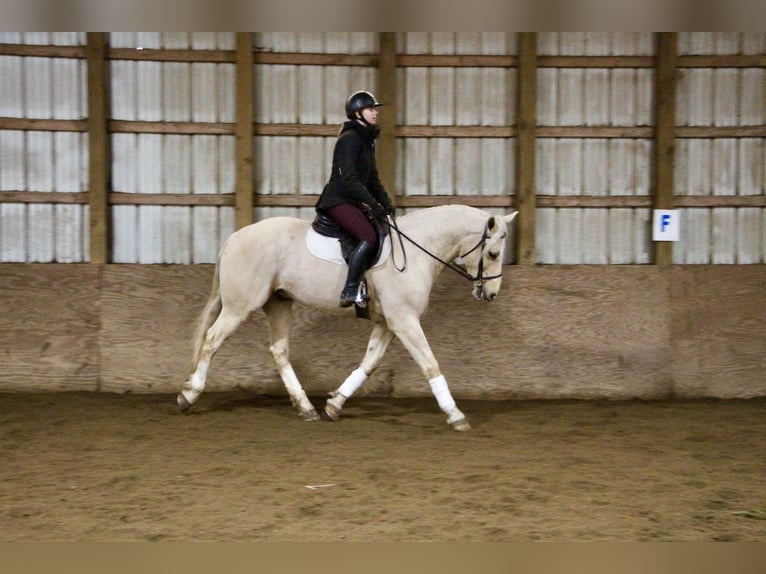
<point>479,278</point>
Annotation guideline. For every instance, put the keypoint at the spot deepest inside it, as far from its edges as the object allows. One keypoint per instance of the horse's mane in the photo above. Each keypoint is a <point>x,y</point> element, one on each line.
<point>451,210</point>
<point>434,215</point>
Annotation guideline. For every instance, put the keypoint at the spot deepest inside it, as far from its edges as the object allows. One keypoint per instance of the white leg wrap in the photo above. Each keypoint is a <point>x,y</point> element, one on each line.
<point>455,416</point>
<point>441,392</point>
<point>352,382</point>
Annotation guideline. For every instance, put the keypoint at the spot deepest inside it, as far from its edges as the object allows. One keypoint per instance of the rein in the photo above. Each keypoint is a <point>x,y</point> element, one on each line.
<point>457,269</point>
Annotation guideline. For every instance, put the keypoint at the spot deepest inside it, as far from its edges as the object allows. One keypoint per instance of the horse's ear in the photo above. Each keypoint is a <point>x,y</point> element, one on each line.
<point>491,224</point>
<point>508,218</point>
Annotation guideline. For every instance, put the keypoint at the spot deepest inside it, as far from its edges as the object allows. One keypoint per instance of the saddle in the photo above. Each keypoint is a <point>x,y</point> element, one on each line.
<point>325,225</point>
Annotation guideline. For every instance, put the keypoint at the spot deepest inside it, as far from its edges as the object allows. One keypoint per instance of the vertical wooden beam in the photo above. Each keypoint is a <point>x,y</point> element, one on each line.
<point>386,148</point>
<point>665,125</point>
<point>99,155</point>
<point>243,193</point>
<point>526,122</point>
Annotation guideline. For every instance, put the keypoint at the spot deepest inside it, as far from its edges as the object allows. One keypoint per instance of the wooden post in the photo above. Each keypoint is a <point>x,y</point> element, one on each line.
<point>664,143</point>
<point>100,157</point>
<point>526,197</point>
<point>386,148</point>
<point>243,193</point>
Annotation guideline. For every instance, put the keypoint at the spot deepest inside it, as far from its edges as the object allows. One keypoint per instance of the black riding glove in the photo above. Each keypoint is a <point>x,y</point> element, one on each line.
<point>377,211</point>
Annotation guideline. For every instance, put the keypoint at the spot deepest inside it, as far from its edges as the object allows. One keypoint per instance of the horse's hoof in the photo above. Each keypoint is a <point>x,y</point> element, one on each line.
<point>330,413</point>
<point>183,404</point>
<point>311,415</point>
<point>461,425</point>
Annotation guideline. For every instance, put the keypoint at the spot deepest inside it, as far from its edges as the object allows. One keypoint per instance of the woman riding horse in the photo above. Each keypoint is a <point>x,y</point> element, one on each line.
<point>354,194</point>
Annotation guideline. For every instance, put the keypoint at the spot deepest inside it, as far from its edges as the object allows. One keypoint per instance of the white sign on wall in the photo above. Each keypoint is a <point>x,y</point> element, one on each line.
<point>667,225</point>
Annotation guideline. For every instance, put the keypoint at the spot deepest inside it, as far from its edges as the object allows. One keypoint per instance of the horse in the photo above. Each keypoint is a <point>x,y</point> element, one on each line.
<point>267,265</point>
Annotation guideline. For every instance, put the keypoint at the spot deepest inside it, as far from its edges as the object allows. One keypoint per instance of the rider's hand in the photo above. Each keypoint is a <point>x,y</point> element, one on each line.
<point>377,210</point>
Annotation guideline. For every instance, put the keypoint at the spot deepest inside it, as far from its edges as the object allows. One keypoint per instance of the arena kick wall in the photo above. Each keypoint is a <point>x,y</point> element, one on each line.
<point>554,332</point>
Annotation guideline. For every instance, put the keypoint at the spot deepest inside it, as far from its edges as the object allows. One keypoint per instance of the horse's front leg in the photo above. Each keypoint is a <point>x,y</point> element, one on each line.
<point>413,338</point>
<point>279,314</point>
<point>376,348</point>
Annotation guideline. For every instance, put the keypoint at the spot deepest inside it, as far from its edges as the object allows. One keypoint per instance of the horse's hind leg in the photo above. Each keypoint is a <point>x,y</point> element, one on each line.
<point>376,348</point>
<point>279,314</point>
<point>225,324</point>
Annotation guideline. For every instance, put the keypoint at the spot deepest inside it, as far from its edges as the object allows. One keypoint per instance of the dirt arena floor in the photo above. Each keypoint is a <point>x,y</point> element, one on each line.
<point>107,467</point>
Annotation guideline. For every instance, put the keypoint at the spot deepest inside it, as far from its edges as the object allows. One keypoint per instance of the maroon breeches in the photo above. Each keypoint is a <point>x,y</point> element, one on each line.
<point>354,222</point>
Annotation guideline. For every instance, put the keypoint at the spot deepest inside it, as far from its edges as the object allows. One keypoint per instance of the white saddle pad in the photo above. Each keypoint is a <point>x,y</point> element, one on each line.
<point>328,248</point>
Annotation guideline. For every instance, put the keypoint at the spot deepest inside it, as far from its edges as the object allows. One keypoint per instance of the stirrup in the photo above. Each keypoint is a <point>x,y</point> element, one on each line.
<point>361,295</point>
<point>355,295</point>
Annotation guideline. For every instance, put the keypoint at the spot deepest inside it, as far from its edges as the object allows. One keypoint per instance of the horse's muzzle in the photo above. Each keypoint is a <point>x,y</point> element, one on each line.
<point>480,293</point>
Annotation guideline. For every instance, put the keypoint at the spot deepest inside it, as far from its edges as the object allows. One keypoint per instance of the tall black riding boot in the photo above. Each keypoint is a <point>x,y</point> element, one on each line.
<point>357,265</point>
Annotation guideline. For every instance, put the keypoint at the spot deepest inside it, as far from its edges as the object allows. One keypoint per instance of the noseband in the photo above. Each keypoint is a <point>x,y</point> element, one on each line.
<point>480,278</point>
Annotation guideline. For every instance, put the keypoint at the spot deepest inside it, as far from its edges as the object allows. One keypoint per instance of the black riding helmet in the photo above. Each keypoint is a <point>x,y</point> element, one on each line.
<point>357,101</point>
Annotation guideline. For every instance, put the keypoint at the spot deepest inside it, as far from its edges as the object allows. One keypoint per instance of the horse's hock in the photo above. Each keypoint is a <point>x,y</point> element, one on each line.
<point>553,332</point>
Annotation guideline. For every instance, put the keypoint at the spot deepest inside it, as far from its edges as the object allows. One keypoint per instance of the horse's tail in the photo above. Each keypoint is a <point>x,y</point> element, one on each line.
<point>208,316</point>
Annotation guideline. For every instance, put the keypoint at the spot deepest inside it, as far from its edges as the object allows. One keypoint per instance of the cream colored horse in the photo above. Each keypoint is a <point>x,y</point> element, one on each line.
<point>267,266</point>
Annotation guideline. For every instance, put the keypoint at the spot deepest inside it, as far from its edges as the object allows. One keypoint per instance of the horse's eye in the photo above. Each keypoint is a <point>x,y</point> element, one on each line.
<point>493,254</point>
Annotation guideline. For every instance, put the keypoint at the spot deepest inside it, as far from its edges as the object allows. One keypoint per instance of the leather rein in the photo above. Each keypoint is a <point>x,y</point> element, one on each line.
<point>456,268</point>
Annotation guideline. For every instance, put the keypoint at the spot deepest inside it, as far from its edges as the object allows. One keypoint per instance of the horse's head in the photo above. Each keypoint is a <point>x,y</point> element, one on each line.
<point>484,260</point>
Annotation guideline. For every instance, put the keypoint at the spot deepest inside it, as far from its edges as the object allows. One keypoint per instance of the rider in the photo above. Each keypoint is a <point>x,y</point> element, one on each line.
<point>354,194</point>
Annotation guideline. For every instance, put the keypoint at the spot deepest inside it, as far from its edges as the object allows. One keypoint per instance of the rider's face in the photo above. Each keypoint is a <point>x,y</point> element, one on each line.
<point>371,115</point>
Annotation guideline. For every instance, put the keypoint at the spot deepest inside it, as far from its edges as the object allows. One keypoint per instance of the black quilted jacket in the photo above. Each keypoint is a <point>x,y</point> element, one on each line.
<point>354,177</point>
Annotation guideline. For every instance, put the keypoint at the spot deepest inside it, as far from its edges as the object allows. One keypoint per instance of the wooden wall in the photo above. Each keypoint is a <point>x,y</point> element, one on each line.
<point>149,147</point>
<point>554,332</point>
